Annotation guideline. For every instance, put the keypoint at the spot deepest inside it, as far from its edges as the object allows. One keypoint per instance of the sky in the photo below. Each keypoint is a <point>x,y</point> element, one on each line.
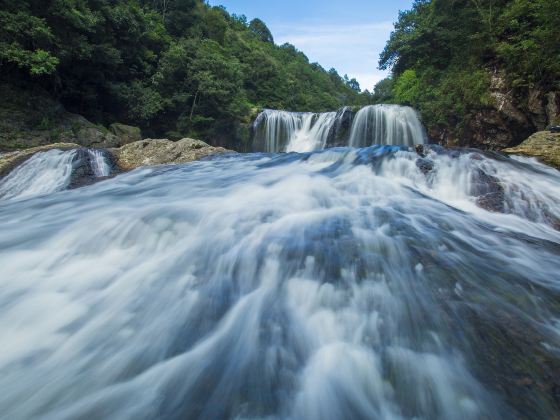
<point>348,35</point>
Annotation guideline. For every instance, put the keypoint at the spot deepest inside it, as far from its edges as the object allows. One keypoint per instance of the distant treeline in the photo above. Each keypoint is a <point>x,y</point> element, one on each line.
<point>174,67</point>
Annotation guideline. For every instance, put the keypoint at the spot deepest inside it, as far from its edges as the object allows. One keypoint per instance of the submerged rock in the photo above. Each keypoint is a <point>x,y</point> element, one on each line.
<point>151,152</point>
<point>544,145</point>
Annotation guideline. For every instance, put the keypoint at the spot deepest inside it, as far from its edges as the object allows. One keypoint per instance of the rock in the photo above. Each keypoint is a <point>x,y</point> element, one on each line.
<point>151,152</point>
<point>9,161</point>
<point>33,118</point>
<point>97,137</point>
<point>491,129</point>
<point>425,165</point>
<point>553,108</point>
<point>489,192</point>
<point>339,133</point>
<point>126,133</point>
<point>543,145</point>
<point>537,109</point>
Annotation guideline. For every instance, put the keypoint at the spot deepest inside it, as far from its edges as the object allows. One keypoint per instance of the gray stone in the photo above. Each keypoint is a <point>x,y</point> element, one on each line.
<point>126,133</point>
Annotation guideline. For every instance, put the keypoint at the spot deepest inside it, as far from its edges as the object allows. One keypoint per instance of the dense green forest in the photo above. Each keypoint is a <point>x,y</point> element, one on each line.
<point>173,67</point>
<point>444,53</point>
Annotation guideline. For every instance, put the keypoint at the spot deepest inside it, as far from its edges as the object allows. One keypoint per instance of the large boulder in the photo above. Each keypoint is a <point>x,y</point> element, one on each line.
<point>126,133</point>
<point>96,137</point>
<point>151,152</point>
<point>543,145</point>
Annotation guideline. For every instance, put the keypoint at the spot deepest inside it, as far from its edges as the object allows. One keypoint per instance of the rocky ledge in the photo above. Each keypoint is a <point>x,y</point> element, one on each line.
<point>151,152</point>
<point>543,145</point>
<point>147,152</point>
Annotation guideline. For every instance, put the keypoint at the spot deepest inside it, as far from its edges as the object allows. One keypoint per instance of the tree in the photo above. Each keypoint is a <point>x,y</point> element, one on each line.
<point>259,28</point>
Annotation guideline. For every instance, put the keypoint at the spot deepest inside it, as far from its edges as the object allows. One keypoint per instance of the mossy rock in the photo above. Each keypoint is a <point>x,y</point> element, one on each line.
<point>543,145</point>
<point>126,133</point>
<point>150,152</point>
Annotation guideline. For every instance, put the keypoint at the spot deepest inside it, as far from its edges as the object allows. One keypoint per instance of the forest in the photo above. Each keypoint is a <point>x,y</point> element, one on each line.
<point>175,68</point>
<point>443,55</point>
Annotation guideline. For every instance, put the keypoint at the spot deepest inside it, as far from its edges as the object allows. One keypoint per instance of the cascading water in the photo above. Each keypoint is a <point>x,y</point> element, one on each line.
<point>349,283</point>
<point>51,171</point>
<point>387,124</point>
<point>99,163</point>
<point>282,131</point>
<point>42,174</point>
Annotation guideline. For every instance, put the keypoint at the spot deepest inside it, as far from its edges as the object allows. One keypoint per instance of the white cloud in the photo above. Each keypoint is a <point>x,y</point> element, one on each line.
<point>352,49</point>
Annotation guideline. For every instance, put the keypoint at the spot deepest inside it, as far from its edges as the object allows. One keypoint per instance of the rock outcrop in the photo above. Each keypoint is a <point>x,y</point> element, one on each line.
<point>511,117</point>
<point>32,119</point>
<point>151,152</point>
<point>131,156</point>
<point>126,133</point>
<point>543,145</point>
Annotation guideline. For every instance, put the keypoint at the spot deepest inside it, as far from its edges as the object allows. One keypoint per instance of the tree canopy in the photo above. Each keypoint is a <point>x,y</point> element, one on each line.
<point>174,67</point>
<point>442,54</point>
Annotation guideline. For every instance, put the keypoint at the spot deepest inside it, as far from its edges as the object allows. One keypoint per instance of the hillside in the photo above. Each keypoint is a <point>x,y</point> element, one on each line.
<point>175,68</point>
<point>483,73</point>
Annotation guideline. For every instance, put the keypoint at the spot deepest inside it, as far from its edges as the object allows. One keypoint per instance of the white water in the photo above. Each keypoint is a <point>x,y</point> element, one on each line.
<point>387,124</point>
<point>42,174</point>
<point>343,284</point>
<point>99,163</point>
<point>282,131</point>
<point>48,172</point>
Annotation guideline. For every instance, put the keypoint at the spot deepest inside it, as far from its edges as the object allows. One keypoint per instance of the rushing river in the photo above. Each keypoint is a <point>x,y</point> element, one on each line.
<point>342,284</point>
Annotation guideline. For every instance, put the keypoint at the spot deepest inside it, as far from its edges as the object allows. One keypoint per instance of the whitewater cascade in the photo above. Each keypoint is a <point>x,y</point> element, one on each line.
<point>99,163</point>
<point>282,131</point>
<point>47,172</point>
<point>348,283</point>
<point>386,124</point>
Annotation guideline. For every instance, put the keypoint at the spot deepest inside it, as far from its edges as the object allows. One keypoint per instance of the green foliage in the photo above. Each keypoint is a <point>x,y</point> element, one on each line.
<point>383,91</point>
<point>173,67</point>
<point>442,53</point>
<point>259,28</point>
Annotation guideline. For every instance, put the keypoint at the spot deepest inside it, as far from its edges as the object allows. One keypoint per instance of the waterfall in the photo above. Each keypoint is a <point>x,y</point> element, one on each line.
<point>99,163</point>
<point>43,173</point>
<point>347,283</point>
<point>54,170</point>
<point>282,131</point>
<point>387,125</point>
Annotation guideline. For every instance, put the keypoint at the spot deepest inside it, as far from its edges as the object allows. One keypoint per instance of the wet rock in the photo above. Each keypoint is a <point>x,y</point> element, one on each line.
<point>489,192</point>
<point>82,170</point>
<point>425,165</point>
<point>339,133</point>
<point>151,152</point>
<point>420,150</point>
<point>544,145</point>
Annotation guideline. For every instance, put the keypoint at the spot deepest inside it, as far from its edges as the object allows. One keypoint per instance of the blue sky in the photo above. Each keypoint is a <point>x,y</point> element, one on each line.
<point>347,35</point>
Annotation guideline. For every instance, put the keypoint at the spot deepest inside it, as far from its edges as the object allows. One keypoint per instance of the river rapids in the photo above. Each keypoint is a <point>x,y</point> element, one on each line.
<point>339,284</point>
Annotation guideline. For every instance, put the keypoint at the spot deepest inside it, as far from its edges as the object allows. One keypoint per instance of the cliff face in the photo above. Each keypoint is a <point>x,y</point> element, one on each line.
<point>514,115</point>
